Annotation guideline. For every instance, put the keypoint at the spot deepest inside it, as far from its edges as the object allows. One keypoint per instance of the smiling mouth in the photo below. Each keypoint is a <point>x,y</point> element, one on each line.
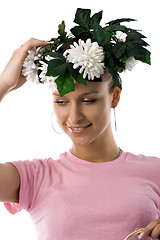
<point>79,128</point>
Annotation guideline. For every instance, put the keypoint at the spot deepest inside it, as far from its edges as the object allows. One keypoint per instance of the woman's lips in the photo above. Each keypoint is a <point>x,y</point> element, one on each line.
<point>80,126</point>
<point>79,129</point>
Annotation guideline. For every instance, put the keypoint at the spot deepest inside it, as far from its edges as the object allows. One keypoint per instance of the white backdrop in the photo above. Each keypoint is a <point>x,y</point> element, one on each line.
<point>25,114</point>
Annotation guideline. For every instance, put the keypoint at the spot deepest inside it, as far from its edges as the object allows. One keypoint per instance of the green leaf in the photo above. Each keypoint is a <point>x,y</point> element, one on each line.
<point>75,74</point>
<point>119,69</point>
<point>148,57</point>
<point>116,78</point>
<point>65,84</point>
<point>96,17</point>
<point>139,42</point>
<point>82,17</point>
<point>133,34</point>
<point>138,52</point>
<point>124,58</point>
<point>54,43</point>
<point>107,40</point>
<point>98,33</point>
<point>48,48</point>
<point>61,30</point>
<point>102,37</point>
<point>136,37</point>
<point>77,31</point>
<point>114,28</point>
<point>56,67</point>
<point>109,58</point>
<point>80,79</point>
<point>118,21</point>
<point>119,49</point>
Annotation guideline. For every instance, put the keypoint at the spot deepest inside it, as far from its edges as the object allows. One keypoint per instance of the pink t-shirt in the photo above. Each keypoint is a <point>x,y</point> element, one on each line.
<point>74,199</point>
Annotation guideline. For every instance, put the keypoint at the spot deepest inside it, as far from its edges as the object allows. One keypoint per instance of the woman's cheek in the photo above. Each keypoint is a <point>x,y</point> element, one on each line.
<point>59,115</point>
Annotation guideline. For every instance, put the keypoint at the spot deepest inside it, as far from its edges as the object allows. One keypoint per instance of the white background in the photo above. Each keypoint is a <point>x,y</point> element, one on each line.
<point>25,114</point>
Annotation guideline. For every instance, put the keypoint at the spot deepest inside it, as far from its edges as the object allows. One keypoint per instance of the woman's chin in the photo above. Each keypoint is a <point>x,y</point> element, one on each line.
<point>81,142</point>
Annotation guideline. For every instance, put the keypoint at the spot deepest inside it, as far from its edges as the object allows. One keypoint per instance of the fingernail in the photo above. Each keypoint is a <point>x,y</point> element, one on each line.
<point>141,235</point>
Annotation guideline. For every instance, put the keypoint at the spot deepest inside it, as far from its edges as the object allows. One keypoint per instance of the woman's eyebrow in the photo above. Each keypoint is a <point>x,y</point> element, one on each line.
<point>86,93</point>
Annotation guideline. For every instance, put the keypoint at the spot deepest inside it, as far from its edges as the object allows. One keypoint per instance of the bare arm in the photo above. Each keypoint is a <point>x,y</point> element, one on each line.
<point>9,183</point>
<point>11,79</point>
<point>3,90</point>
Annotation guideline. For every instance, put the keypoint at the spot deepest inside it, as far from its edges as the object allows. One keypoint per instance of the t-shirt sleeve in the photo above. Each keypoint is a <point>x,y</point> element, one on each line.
<point>31,181</point>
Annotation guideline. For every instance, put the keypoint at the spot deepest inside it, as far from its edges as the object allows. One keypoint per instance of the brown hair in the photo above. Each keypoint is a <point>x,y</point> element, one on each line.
<point>107,77</point>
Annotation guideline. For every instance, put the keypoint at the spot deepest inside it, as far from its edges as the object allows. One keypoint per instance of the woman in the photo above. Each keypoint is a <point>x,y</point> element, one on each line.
<point>93,191</point>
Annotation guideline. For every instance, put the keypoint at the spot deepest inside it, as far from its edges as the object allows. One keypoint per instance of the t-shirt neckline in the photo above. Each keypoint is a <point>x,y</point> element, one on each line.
<point>73,158</point>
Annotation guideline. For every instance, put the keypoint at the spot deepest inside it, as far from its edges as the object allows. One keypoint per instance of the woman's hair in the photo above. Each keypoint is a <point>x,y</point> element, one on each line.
<point>106,76</point>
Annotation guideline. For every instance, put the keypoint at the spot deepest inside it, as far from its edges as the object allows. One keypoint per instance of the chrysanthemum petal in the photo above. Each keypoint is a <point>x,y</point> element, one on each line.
<point>87,55</point>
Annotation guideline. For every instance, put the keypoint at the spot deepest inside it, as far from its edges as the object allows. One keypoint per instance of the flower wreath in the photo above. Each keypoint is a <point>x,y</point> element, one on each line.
<point>93,48</point>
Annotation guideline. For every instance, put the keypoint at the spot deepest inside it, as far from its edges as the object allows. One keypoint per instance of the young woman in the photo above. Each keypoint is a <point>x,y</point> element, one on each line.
<point>95,190</point>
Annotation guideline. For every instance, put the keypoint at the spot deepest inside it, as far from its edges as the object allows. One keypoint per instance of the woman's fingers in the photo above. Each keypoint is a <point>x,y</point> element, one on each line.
<point>33,42</point>
<point>22,51</point>
<point>155,234</point>
<point>152,229</point>
<point>12,75</point>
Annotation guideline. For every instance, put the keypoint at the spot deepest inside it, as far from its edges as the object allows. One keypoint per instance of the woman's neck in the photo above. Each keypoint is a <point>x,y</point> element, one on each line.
<point>103,149</point>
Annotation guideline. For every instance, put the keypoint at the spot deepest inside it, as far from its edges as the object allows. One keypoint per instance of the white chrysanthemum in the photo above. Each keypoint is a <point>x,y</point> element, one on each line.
<point>30,70</point>
<point>87,55</point>
<point>130,63</point>
<point>48,58</point>
<point>121,36</point>
<point>46,79</point>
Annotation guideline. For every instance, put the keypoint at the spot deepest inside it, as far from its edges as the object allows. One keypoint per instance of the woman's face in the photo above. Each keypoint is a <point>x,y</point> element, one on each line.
<point>88,108</point>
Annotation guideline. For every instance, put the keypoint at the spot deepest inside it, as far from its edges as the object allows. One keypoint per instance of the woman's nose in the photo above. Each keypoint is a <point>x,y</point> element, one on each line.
<point>75,115</point>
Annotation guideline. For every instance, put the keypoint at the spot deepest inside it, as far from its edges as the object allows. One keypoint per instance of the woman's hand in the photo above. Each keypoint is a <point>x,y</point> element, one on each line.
<point>152,230</point>
<point>11,78</point>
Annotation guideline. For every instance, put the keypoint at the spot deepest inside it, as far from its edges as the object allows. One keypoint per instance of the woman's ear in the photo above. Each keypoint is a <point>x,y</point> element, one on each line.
<point>116,96</point>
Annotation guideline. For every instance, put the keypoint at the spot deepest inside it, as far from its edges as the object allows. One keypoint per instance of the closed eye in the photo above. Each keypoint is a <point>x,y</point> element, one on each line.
<point>62,102</point>
<point>90,101</point>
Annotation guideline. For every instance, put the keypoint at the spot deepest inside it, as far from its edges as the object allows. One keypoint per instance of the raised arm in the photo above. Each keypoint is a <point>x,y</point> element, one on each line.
<point>11,79</point>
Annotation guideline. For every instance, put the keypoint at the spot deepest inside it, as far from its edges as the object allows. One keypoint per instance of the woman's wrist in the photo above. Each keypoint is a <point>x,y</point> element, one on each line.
<point>4,89</point>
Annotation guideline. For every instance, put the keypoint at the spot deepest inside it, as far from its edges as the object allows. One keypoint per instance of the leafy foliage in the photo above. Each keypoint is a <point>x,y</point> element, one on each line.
<point>65,84</point>
<point>56,42</point>
<point>119,21</point>
<point>85,21</point>
<point>65,73</point>
<point>116,51</point>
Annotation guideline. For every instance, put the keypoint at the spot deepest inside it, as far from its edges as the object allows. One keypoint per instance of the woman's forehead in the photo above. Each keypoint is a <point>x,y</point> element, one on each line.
<point>90,88</point>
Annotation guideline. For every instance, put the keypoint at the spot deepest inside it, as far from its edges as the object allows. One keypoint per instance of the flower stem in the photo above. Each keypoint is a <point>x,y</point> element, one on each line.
<point>139,230</point>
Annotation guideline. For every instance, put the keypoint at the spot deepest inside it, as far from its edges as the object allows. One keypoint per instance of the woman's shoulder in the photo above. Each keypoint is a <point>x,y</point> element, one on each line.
<point>143,155</point>
<point>143,158</point>
<point>35,164</point>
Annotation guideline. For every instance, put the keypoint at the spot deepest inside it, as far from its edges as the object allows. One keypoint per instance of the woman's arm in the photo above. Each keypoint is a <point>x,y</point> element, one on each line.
<point>9,183</point>
<point>11,79</point>
<point>3,90</point>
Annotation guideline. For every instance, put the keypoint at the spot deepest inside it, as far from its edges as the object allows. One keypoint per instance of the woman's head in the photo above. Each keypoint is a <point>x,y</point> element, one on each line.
<point>88,106</point>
